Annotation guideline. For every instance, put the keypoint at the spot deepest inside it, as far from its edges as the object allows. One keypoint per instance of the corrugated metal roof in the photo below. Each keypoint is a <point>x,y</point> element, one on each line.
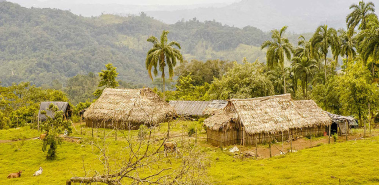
<point>190,108</point>
<point>62,106</point>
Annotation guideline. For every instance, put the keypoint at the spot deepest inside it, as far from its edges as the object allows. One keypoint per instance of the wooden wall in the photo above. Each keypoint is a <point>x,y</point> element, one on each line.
<point>235,136</point>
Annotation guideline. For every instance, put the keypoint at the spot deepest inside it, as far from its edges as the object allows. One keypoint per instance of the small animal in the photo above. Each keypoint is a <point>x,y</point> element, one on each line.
<point>39,172</point>
<point>14,175</point>
<point>171,147</point>
<point>42,136</point>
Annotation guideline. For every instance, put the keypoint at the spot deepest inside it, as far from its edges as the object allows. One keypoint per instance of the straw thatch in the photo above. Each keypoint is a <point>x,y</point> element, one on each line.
<point>271,114</point>
<point>62,106</point>
<point>128,108</point>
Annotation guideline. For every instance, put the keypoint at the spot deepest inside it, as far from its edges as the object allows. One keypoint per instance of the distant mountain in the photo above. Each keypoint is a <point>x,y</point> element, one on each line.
<point>300,15</point>
<point>43,45</point>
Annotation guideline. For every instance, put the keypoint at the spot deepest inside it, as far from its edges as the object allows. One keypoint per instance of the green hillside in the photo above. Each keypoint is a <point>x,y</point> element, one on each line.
<point>43,45</point>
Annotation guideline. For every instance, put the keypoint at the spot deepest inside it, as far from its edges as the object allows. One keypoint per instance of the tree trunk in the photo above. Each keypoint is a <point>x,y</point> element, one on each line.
<point>364,124</point>
<point>306,86</point>
<point>325,70</point>
<point>284,79</point>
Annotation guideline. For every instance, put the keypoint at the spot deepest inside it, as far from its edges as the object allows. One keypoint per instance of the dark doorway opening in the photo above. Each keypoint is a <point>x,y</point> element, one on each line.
<point>334,129</point>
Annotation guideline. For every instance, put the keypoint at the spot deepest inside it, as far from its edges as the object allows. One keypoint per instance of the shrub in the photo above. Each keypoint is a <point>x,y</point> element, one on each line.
<point>191,130</point>
<point>142,132</point>
<point>335,137</point>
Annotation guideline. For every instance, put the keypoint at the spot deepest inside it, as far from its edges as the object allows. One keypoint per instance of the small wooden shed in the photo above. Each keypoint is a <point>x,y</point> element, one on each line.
<point>62,106</point>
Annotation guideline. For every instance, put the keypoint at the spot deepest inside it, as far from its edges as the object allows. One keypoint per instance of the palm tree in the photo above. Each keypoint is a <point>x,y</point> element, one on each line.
<point>162,54</point>
<point>369,46</point>
<point>322,39</point>
<point>277,48</point>
<point>359,15</point>
<point>348,45</point>
<point>304,67</point>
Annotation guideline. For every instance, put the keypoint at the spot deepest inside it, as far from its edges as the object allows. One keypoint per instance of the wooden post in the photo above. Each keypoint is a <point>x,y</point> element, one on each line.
<point>243,136</point>
<point>311,140</point>
<point>282,142</point>
<point>269,144</point>
<point>291,142</point>
<point>168,129</point>
<point>104,128</point>
<point>256,148</point>
<point>330,126</point>
<point>38,121</point>
<point>92,128</point>
<point>347,129</point>
<point>81,127</point>
<point>369,117</point>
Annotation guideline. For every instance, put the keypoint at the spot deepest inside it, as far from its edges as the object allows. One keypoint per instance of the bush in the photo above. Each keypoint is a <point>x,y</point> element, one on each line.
<point>191,130</point>
<point>335,137</point>
<point>142,132</point>
<point>75,119</point>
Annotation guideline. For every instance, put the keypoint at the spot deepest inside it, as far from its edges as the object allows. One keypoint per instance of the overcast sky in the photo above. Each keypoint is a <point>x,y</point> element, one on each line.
<point>146,2</point>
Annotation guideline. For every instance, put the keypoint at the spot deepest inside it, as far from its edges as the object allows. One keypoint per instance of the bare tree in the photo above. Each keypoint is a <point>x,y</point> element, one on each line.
<point>141,161</point>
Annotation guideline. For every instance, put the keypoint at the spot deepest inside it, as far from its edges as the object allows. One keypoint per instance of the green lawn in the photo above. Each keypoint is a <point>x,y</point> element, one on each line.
<point>353,162</point>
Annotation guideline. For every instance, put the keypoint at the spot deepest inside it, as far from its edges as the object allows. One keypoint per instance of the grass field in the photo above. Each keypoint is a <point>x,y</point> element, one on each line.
<point>352,162</point>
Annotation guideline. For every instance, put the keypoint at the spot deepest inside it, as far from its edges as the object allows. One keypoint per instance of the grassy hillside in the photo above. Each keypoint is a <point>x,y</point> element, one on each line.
<point>352,162</point>
<point>42,45</point>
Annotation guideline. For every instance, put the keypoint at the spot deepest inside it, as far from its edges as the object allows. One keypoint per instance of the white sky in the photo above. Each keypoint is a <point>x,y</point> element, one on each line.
<point>146,2</point>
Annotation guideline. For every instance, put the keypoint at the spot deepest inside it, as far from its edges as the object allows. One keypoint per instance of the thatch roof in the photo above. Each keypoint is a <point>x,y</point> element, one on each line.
<point>271,114</point>
<point>44,106</point>
<point>138,106</point>
<point>197,108</point>
<point>341,119</point>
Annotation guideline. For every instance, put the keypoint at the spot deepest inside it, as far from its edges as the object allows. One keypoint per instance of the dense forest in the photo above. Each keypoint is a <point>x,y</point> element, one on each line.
<point>43,45</point>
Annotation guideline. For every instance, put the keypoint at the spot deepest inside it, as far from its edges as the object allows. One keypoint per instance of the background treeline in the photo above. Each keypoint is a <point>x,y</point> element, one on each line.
<point>43,45</point>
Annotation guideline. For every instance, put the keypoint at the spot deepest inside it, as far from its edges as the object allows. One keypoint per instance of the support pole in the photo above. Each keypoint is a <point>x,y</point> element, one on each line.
<point>269,144</point>
<point>291,142</point>
<point>256,148</point>
<point>329,131</point>
<point>282,142</point>
<point>38,121</point>
<point>347,129</point>
<point>92,128</point>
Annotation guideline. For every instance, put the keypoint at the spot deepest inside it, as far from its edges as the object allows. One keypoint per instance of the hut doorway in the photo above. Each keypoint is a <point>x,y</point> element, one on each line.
<point>334,128</point>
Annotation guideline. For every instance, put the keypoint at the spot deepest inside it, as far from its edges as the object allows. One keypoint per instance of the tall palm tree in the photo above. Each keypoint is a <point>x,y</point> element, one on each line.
<point>348,44</point>
<point>162,54</point>
<point>304,67</point>
<point>359,15</point>
<point>322,40</point>
<point>369,46</point>
<point>277,48</point>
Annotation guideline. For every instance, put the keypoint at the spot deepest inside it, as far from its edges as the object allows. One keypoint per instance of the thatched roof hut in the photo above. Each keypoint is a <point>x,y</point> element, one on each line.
<point>62,106</point>
<point>197,108</point>
<point>128,108</point>
<point>268,115</point>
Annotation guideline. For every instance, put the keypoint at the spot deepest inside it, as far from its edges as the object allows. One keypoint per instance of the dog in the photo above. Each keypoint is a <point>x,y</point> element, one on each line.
<point>14,175</point>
